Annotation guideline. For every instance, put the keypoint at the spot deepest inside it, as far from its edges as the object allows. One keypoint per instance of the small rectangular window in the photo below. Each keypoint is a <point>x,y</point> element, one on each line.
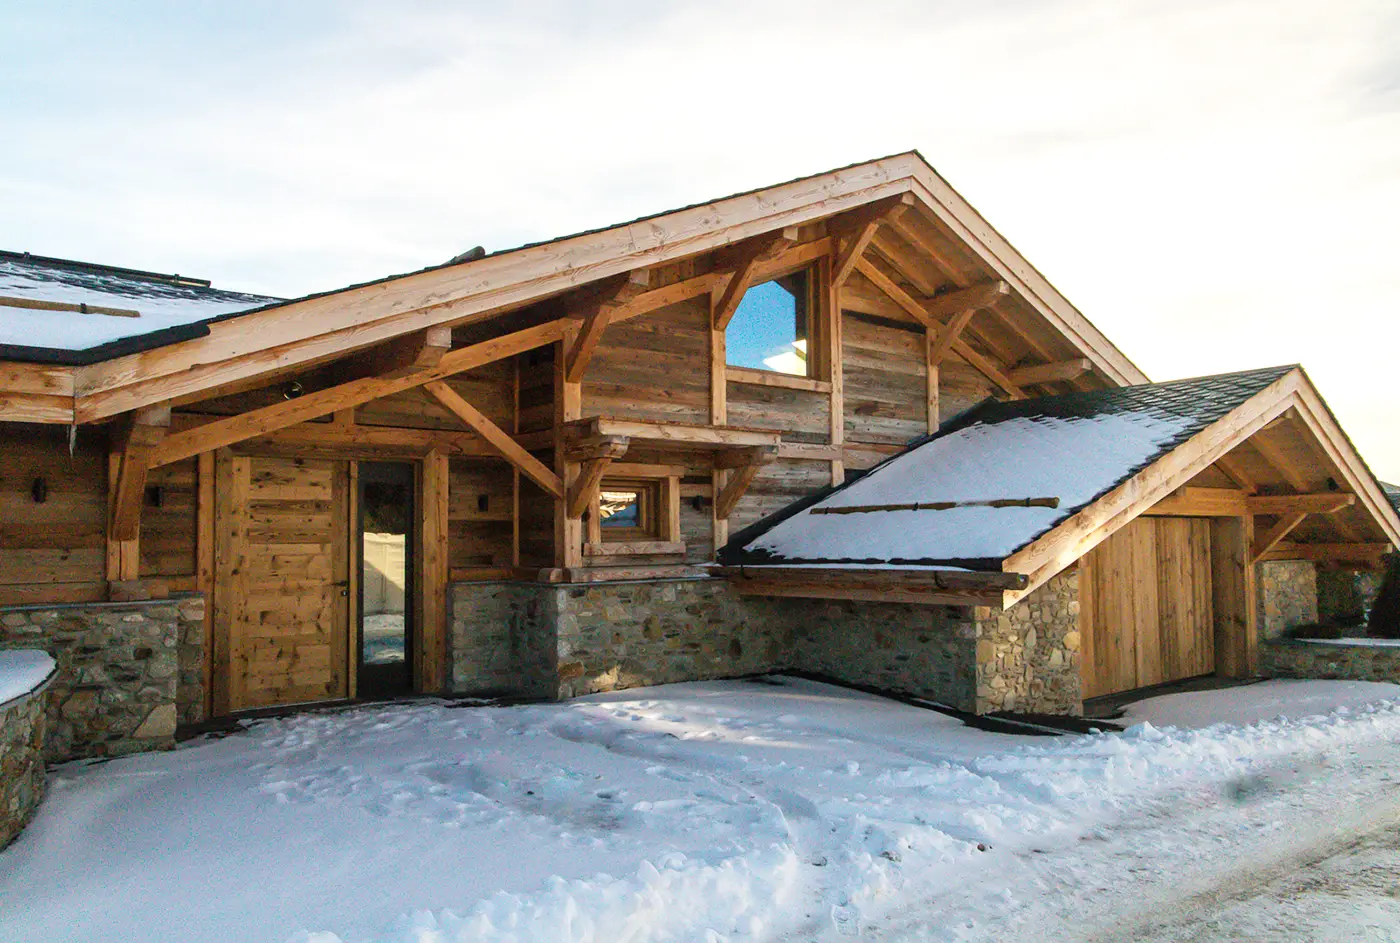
<point>629,510</point>
<point>770,329</point>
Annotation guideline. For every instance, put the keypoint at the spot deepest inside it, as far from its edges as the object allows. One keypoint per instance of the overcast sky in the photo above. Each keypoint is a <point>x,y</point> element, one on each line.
<point>1215,183</point>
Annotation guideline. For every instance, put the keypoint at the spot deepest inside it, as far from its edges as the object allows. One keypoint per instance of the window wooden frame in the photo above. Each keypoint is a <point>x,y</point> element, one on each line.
<point>816,319</point>
<point>658,533</point>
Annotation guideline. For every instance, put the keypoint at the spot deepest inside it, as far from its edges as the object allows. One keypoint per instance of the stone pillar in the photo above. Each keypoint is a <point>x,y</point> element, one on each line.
<point>1028,655</point>
<point>1288,596</point>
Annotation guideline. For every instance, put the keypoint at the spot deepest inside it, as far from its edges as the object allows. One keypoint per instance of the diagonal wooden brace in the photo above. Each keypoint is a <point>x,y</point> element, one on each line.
<point>595,455</point>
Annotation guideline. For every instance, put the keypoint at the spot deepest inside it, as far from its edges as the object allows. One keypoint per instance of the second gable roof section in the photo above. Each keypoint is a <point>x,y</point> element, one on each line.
<point>304,330</point>
<point>1106,456</point>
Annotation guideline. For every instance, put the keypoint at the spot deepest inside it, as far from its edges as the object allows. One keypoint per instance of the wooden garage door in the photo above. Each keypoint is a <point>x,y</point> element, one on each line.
<point>281,610</point>
<point>1145,606</point>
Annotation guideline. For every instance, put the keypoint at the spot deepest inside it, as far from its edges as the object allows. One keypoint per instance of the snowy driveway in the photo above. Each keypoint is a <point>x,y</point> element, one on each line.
<point>738,810</point>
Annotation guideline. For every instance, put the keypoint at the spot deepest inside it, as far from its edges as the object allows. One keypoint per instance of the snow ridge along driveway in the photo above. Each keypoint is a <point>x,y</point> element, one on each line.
<point>705,812</point>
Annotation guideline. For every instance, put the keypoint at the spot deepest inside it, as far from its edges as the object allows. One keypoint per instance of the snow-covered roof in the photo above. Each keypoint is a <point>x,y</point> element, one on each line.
<point>168,308</point>
<point>1075,447</point>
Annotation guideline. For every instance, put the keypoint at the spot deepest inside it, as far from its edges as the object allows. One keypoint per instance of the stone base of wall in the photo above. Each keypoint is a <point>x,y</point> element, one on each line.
<point>1300,658</point>
<point>562,641</point>
<point>128,673</point>
<point>22,723</point>
<point>1288,596</point>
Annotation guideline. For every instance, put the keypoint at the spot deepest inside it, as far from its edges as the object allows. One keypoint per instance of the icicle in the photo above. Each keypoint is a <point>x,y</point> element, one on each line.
<point>72,438</point>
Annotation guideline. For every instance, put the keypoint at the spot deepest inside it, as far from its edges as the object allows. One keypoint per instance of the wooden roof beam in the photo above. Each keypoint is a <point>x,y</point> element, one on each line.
<point>1326,503</point>
<point>1230,465</point>
<point>861,225</point>
<point>1364,553</point>
<point>596,315</point>
<point>745,261</point>
<point>1274,456</point>
<point>919,312</point>
<point>403,356</point>
<point>528,465</point>
<point>1059,371</point>
<point>318,403</point>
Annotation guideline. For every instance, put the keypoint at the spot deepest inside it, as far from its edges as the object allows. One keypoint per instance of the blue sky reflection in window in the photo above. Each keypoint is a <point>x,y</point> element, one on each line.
<point>769,328</point>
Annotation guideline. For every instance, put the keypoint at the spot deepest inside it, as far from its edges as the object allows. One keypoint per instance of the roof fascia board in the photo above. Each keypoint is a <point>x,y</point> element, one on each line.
<point>979,235</point>
<point>36,392</point>
<point>361,316</point>
<point>1086,529</point>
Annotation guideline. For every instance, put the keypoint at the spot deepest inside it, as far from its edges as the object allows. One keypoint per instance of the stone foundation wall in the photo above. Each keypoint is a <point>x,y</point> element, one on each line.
<point>622,635</point>
<point>1028,655</point>
<point>1288,596</point>
<point>127,672</point>
<point>22,723</point>
<point>924,651</point>
<point>502,639</point>
<point>1299,658</point>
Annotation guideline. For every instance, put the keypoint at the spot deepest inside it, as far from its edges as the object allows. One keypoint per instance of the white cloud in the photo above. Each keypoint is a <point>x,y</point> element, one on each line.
<point>1213,182</point>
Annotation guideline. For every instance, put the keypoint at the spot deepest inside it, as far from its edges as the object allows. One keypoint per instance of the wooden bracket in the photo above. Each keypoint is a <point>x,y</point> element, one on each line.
<point>401,357</point>
<point>959,307</point>
<point>1282,529</point>
<point>745,262</point>
<point>596,314</point>
<point>862,223</point>
<point>746,464</point>
<point>595,455</point>
<point>497,437</point>
<point>144,433</point>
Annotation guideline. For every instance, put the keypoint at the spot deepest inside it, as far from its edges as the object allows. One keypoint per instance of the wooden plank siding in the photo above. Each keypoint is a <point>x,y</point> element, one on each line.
<point>1147,606</point>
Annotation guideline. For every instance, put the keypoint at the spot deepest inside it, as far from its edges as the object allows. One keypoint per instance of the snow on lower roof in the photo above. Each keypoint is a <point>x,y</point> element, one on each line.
<point>1074,447</point>
<point>21,671</point>
<point>165,304</point>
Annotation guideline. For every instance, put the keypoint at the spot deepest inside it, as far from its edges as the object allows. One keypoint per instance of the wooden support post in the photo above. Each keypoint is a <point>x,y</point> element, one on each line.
<point>568,407</point>
<point>719,416</point>
<point>432,560</point>
<point>1233,593</point>
<point>833,366</point>
<point>931,373</point>
<point>127,466</point>
<point>204,566</point>
<point>499,439</point>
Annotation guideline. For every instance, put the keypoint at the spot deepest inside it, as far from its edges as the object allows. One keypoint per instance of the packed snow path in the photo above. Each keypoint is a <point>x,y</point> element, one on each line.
<point>739,811</point>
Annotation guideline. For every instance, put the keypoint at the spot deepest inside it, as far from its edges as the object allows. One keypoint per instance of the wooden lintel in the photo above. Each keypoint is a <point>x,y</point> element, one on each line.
<point>1266,542</point>
<point>1054,372</point>
<point>1325,503</point>
<point>597,314</point>
<point>318,403</point>
<point>1200,502</point>
<point>145,431</point>
<point>745,261</point>
<point>861,225</point>
<point>529,466</point>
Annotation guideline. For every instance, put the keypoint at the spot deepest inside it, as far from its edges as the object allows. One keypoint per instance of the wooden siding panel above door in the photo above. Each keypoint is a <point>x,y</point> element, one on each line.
<point>282,571</point>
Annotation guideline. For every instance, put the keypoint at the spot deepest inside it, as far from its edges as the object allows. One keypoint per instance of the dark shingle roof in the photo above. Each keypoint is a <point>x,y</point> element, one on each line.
<point>1393,493</point>
<point>1185,407</point>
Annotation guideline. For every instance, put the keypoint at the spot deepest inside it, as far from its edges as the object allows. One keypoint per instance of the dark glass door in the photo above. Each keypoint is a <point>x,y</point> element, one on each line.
<point>386,579</point>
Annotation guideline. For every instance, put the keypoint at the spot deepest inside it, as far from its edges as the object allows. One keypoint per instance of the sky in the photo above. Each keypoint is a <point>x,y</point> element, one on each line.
<point>1214,183</point>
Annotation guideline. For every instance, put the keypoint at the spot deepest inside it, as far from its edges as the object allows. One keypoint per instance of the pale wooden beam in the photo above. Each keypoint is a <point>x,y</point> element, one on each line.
<point>1055,372</point>
<point>1278,461</point>
<point>144,432</point>
<point>318,403</point>
<point>1271,537</point>
<point>404,356</point>
<point>1369,553</point>
<point>1230,465</point>
<point>529,466</point>
<point>972,298</point>
<point>596,315</point>
<point>1326,503</point>
<point>861,225</point>
<point>745,263</point>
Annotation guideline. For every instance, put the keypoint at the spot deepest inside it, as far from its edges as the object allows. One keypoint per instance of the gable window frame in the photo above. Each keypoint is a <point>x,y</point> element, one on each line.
<point>817,318</point>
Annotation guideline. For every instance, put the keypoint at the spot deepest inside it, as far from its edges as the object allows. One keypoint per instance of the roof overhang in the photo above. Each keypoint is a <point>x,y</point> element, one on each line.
<point>309,330</point>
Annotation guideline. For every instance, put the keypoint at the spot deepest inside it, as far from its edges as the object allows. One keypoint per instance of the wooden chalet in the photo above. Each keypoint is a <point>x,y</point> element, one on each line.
<point>513,473</point>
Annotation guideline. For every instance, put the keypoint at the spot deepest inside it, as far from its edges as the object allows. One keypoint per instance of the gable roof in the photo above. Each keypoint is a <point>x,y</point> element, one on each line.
<point>310,329</point>
<point>1109,455</point>
<point>155,309</point>
<point>1074,448</point>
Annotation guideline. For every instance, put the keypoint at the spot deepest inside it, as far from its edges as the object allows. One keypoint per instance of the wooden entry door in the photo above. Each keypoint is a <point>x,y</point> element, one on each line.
<point>1146,606</point>
<point>281,597</point>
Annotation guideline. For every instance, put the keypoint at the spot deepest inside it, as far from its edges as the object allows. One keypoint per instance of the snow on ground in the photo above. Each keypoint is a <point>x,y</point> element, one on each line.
<point>715,811</point>
<point>21,671</point>
<point>1251,703</point>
